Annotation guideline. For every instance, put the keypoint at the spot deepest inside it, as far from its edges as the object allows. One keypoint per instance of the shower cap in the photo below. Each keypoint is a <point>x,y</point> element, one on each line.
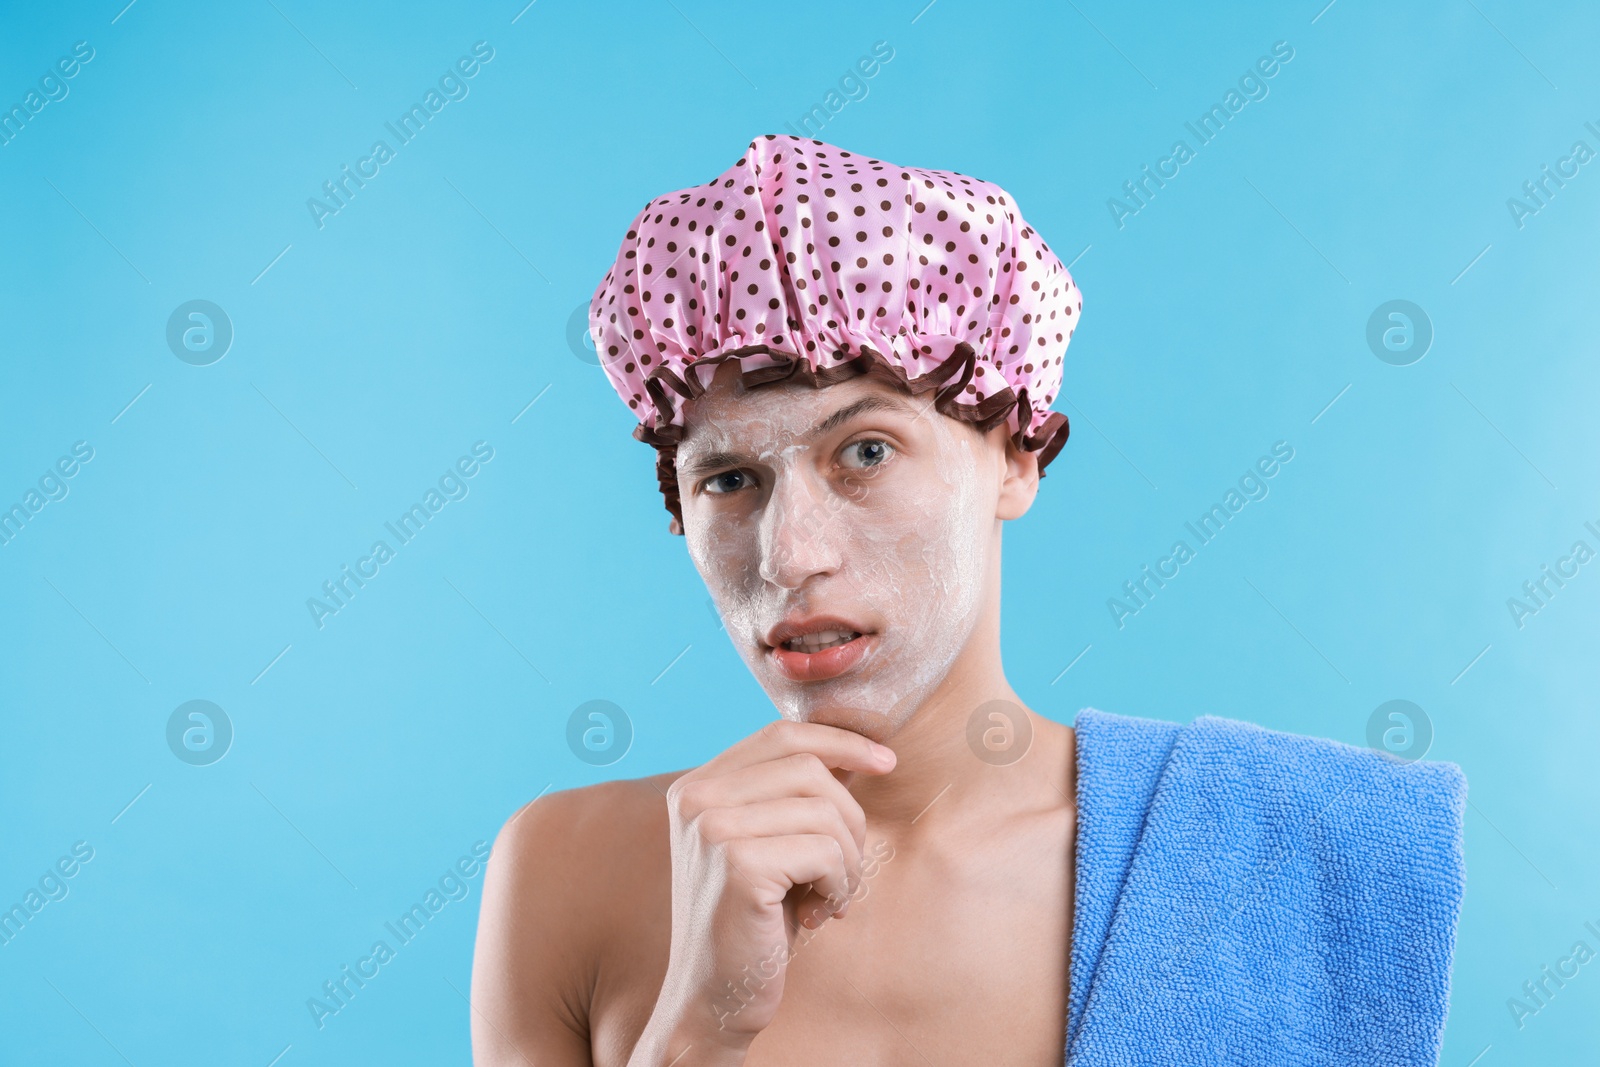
<point>812,264</point>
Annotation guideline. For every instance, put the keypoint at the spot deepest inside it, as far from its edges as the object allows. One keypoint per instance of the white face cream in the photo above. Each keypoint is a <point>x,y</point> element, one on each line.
<point>884,523</point>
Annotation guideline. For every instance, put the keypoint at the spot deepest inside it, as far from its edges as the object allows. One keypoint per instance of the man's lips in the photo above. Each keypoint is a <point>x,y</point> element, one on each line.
<point>818,647</point>
<point>820,666</point>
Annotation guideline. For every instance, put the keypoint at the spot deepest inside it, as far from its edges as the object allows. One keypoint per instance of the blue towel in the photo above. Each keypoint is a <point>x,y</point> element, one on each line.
<point>1251,897</point>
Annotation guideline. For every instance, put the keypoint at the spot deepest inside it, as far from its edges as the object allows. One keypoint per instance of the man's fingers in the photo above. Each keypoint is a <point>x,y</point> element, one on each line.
<point>834,746</point>
<point>795,860</point>
<point>813,909</point>
<point>784,817</point>
<point>793,776</point>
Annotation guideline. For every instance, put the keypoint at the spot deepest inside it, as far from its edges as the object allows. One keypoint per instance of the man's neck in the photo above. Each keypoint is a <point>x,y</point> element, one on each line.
<point>952,773</point>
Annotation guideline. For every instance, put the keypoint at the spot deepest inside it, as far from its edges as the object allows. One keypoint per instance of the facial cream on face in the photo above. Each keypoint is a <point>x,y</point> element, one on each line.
<point>898,553</point>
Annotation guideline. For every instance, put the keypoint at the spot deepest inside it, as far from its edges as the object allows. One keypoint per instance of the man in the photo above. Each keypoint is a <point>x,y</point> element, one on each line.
<point>846,368</point>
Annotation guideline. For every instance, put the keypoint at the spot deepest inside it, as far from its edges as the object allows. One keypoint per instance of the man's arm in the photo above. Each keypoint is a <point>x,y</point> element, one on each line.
<point>760,839</point>
<point>529,997</point>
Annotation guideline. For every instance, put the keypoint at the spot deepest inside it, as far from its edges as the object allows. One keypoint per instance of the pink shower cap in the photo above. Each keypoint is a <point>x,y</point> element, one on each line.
<point>808,263</point>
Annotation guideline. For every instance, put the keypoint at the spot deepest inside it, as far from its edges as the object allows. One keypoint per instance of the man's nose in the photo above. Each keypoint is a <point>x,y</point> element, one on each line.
<point>799,538</point>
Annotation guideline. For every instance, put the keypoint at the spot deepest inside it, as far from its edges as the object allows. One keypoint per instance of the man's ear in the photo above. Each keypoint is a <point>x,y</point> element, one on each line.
<point>675,527</point>
<point>1019,481</point>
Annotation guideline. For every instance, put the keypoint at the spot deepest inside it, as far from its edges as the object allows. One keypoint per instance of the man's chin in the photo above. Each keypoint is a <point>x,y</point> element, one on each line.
<point>865,721</point>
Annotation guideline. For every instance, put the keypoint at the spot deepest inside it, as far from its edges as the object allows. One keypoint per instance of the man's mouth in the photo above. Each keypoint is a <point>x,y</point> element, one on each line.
<point>819,641</point>
<point>816,649</point>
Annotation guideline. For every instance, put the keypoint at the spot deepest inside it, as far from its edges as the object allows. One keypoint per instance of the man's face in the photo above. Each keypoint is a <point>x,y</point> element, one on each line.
<point>854,514</point>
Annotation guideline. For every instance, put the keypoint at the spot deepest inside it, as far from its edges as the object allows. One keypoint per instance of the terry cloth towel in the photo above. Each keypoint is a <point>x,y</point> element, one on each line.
<point>1251,897</point>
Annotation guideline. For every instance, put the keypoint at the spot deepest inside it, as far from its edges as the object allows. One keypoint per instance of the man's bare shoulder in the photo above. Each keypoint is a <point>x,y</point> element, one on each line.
<point>587,817</point>
<point>577,832</point>
<point>572,877</point>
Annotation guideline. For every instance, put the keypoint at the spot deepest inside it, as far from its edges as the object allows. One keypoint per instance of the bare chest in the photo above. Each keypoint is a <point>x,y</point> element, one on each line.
<point>963,964</point>
<point>941,959</point>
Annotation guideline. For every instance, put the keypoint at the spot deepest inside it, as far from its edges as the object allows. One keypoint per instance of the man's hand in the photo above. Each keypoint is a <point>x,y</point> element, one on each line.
<point>764,836</point>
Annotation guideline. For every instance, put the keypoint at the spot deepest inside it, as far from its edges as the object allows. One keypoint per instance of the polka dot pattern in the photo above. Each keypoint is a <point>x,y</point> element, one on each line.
<point>807,261</point>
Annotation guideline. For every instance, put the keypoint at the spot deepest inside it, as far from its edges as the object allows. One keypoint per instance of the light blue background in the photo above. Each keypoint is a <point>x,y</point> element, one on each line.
<point>1226,315</point>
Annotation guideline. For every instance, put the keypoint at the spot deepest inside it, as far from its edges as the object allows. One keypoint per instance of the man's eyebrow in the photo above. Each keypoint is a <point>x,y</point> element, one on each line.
<point>869,403</point>
<point>723,460</point>
<point>711,461</point>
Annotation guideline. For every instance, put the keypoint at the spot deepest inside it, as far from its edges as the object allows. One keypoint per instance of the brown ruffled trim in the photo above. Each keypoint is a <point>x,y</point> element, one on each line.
<point>950,379</point>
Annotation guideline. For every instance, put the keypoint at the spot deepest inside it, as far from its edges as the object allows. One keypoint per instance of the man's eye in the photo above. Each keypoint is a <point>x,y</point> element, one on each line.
<point>726,482</point>
<point>868,453</point>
